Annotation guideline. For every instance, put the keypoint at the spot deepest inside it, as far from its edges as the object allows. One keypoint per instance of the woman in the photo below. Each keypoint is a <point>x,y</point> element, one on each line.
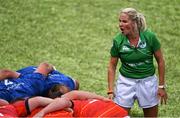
<point>135,46</point>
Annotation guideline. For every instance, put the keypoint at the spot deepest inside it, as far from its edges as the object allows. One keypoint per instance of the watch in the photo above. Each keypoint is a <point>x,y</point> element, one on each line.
<point>162,86</point>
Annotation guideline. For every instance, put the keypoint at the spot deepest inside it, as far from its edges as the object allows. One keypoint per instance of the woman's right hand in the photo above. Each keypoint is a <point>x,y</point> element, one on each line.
<point>111,96</point>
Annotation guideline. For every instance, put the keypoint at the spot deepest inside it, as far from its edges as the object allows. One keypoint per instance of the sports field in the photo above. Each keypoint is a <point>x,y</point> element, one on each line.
<point>76,36</point>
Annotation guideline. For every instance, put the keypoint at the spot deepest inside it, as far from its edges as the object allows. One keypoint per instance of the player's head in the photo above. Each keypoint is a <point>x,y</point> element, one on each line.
<point>58,90</point>
<point>44,68</point>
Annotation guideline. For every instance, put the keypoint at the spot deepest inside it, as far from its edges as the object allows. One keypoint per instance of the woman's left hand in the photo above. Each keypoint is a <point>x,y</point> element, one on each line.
<point>162,95</point>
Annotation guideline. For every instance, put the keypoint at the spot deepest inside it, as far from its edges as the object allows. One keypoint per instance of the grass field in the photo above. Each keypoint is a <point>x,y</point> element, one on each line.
<point>76,36</point>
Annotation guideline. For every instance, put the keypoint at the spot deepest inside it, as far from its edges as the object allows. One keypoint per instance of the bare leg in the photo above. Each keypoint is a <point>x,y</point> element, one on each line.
<point>3,102</point>
<point>151,112</point>
<point>44,68</point>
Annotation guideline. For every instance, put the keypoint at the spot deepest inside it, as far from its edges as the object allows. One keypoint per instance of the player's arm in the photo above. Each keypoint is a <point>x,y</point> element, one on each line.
<point>6,74</point>
<point>38,101</point>
<point>65,101</point>
<point>57,104</point>
<point>81,95</point>
<point>161,69</point>
<point>111,76</point>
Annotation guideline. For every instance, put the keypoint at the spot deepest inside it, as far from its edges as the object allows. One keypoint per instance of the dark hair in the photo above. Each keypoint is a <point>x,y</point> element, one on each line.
<point>55,92</point>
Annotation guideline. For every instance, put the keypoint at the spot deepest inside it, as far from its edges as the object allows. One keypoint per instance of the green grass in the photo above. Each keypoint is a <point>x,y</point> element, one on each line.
<point>76,36</point>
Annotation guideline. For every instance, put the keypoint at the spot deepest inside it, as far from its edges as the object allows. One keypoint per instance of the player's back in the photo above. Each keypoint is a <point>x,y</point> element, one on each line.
<point>97,108</point>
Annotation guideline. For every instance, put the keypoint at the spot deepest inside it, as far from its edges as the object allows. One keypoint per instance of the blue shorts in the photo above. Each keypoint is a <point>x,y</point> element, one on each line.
<point>143,90</point>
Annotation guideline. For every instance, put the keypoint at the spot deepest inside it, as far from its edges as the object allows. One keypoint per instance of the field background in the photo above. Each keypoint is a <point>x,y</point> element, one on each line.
<point>76,36</point>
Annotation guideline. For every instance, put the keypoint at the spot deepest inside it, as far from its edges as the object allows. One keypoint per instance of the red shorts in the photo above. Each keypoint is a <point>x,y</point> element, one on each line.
<point>97,108</point>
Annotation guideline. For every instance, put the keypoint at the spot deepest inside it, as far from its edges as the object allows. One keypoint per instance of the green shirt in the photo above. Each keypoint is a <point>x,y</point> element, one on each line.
<point>136,62</point>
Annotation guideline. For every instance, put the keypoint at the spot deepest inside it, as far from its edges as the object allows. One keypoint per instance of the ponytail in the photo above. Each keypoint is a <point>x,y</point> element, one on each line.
<point>141,22</point>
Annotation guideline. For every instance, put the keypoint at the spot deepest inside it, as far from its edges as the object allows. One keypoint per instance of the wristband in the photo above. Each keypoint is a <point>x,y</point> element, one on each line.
<point>110,92</point>
<point>162,86</point>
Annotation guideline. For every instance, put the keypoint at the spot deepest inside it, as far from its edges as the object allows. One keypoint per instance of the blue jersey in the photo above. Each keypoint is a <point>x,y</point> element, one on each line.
<point>55,77</point>
<point>27,85</point>
<point>31,69</point>
<point>27,70</point>
<point>32,84</point>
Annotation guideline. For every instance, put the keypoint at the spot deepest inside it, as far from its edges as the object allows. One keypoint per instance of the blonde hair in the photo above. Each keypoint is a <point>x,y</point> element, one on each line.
<point>136,16</point>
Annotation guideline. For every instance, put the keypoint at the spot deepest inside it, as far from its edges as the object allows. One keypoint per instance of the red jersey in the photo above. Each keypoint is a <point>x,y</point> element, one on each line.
<point>13,110</point>
<point>8,111</point>
<point>59,113</point>
<point>97,108</point>
<point>18,109</point>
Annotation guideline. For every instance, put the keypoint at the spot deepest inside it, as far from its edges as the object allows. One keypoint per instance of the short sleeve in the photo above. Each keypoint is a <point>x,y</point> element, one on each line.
<point>114,49</point>
<point>155,43</point>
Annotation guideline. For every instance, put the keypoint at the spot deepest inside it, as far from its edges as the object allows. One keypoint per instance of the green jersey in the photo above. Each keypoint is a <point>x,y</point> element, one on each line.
<point>136,62</point>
